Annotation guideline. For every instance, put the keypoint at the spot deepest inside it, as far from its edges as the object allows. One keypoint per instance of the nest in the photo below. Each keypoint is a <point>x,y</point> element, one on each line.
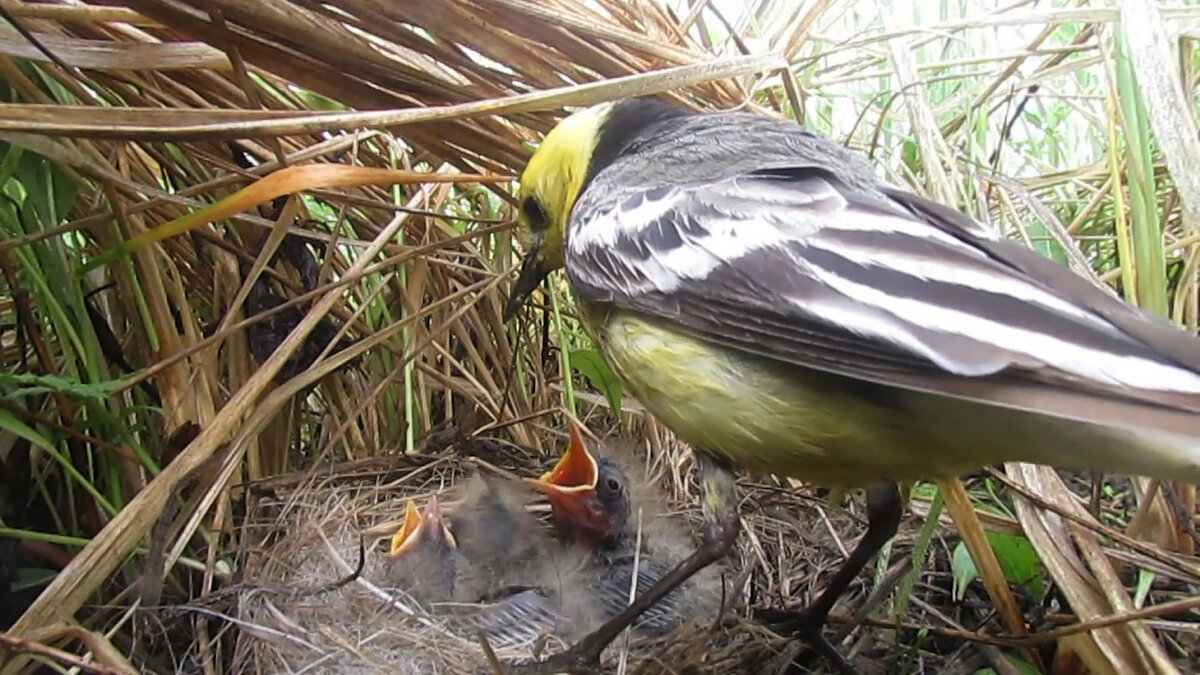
<point>312,601</point>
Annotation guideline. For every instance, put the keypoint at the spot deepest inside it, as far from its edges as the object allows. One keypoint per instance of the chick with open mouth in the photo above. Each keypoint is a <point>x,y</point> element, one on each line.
<point>591,499</point>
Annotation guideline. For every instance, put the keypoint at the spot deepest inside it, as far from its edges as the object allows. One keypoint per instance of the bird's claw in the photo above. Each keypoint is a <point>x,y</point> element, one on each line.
<point>805,628</point>
<point>798,624</point>
<point>578,660</point>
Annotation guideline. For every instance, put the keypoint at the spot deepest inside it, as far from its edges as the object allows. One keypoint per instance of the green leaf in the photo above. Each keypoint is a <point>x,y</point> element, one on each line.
<point>11,424</point>
<point>963,569</point>
<point>1019,562</point>
<point>1145,581</point>
<point>910,153</point>
<point>1045,243</point>
<point>27,384</point>
<point>919,551</point>
<point>316,101</point>
<point>10,163</point>
<point>51,191</point>
<point>32,577</point>
<point>591,365</point>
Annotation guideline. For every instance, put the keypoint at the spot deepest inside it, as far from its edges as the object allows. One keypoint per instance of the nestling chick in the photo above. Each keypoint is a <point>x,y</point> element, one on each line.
<point>472,581</point>
<point>589,496</point>
<point>592,498</point>
<point>497,538</point>
<point>424,559</point>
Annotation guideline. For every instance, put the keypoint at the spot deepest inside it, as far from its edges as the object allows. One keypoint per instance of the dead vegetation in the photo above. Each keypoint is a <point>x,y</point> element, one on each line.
<point>174,428</point>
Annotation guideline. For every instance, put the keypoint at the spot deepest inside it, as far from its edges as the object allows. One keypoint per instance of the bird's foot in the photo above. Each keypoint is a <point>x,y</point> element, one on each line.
<point>581,658</point>
<point>798,623</point>
<point>805,627</point>
<point>584,656</point>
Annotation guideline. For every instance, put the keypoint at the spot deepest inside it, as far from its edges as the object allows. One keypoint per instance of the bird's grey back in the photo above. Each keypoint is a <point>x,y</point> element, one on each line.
<point>702,148</point>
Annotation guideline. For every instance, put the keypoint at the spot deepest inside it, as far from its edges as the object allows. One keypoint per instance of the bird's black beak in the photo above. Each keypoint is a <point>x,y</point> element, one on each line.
<point>533,271</point>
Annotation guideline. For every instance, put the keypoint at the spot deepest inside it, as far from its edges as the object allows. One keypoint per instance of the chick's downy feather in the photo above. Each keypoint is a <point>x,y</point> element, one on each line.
<point>497,538</point>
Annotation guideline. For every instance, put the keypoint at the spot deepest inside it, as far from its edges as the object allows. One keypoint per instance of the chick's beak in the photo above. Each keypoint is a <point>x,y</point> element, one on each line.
<point>409,533</point>
<point>418,527</point>
<point>572,481</point>
<point>436,523</point>
<point>533,271</point>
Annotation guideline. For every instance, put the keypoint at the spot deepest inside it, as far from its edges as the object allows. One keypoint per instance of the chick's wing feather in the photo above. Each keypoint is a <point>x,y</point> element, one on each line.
<point>878,284</point>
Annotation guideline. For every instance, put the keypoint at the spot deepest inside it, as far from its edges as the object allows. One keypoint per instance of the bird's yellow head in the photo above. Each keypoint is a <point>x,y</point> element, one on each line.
<point>550,185</point>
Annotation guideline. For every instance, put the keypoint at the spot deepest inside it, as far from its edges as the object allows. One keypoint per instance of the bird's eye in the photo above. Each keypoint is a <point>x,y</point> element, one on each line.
<point>534,214</point>
<point>613,485</point>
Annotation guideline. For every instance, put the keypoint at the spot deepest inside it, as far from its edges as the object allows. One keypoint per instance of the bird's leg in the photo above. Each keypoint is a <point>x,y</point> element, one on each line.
<point>720,532</point>
<point>883,519</point>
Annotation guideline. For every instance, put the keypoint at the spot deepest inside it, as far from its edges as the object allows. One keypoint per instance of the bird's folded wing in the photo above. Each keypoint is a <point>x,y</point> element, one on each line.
<point>884,286</point>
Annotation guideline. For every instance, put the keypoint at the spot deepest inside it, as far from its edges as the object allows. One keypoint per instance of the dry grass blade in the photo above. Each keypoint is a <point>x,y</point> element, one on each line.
<point>104,658</point>
<point>933,146</point>
<point>282,182</point>
<point>115,56</point>
<point>166,125</point>
<point>959,505</point>
<point>1116,649</point>
<point>101,556</point>
<point>1174,124</point>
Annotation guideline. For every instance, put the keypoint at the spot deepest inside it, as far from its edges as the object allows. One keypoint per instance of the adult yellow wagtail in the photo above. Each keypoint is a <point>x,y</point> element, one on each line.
<point>783,311</point>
